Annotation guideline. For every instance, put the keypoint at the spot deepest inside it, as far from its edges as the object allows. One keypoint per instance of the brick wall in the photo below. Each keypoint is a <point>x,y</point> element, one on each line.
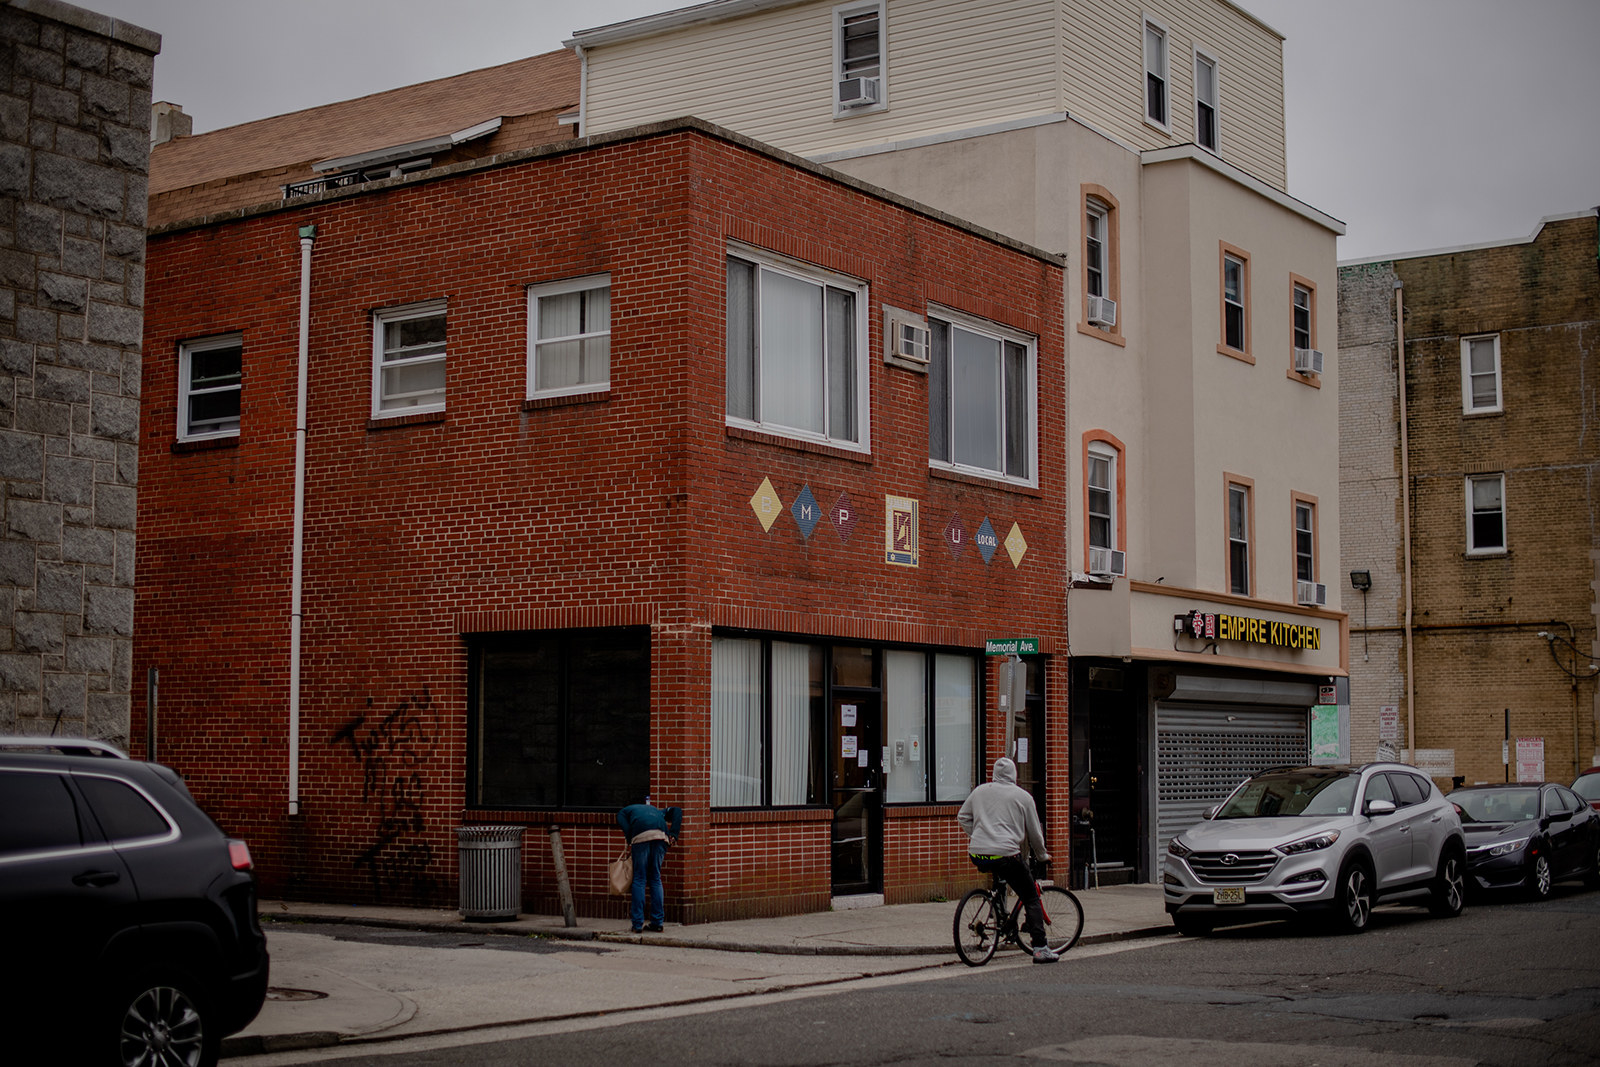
<point>628,509</point>
<point>1477,647</point>
<point>74,148</point>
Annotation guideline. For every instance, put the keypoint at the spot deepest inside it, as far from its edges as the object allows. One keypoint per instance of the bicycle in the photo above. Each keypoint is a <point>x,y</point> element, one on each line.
<point>982,922</point>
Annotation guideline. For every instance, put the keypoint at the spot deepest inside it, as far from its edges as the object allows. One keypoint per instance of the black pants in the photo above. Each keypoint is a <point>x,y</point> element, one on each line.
<point>1020,879</point>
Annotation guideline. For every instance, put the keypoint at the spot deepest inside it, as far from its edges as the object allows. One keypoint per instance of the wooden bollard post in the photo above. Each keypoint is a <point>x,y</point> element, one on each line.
<point>568,912</point>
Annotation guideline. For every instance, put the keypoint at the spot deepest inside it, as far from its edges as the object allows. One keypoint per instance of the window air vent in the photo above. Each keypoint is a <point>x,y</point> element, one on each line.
<point>1107,562</point>
<point>1307,361</point>
<point>1313,594</point>
<point>858,92</point>
<point>1102,311</point>
<point>911,341</point>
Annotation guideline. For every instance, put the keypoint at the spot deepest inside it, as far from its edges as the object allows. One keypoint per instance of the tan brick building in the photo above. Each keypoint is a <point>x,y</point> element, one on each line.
<point>1488,444</point>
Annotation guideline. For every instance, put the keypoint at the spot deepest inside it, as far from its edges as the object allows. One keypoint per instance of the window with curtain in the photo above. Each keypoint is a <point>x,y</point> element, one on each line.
<point>767,730</point>
<point>795,338</point>
<point>560,719</point>
<point>1486,513</point>
<point>569,336</point>
<point>980,399</point>
<point>1480,373</point>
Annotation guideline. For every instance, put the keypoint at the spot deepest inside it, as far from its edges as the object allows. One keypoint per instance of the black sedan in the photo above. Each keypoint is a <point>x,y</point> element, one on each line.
<point>1528,836</point>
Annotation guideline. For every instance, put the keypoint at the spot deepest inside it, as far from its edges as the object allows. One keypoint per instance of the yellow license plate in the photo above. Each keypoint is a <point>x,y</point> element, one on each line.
<point>1231,895</point>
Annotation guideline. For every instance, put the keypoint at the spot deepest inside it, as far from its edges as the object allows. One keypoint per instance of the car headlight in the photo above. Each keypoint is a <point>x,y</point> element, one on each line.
<point>1310,844</point>
<point>1506,848</point>
<point>1178,848</point>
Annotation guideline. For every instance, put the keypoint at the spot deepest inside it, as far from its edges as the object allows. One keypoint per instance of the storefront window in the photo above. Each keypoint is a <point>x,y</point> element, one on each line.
<point>747,676</point>
<point>905,691</point>
<point>955,712</point>
<point>561,719</point>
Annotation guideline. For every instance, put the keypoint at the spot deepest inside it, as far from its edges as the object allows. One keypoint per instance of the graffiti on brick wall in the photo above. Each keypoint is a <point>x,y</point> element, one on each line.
<point>392,752</point>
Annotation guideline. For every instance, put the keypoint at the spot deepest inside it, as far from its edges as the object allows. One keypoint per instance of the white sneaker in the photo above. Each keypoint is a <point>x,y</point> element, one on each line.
<point>1045,954</point>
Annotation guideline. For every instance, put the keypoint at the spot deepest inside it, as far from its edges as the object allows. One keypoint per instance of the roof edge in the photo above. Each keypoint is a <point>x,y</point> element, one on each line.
<point>1195,154</point>
<point>1476,246</point>
<point>687,124</point>
<point>650,25</point>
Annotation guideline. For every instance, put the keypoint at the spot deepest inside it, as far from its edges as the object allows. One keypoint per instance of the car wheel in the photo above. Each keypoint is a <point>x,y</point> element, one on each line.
<point>163,1020</point>
<point>1191,925</point>
<point>1449,885</point>
<point>1539,877</point>
<point>1353,902</point>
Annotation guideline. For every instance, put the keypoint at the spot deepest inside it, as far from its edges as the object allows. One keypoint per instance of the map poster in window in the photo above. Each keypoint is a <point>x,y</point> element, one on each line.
<point>900,531</point>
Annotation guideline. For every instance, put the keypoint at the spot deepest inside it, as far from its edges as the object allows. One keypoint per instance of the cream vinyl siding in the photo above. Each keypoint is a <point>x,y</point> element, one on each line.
<point>951,64</point>
<point>1103,57</point>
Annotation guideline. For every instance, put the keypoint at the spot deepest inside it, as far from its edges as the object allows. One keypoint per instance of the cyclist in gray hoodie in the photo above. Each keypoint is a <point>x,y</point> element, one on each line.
<point>1000,819</point>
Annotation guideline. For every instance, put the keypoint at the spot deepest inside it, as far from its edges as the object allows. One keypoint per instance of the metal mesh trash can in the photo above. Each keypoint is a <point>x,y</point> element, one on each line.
<point>491,872</point>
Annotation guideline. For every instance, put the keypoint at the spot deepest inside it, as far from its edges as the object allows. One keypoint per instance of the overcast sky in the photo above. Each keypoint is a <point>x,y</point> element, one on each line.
<point>1419,123</point>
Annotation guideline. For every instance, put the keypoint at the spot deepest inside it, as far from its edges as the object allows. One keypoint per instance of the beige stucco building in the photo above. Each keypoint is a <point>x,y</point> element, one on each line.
<point>1146,143</point>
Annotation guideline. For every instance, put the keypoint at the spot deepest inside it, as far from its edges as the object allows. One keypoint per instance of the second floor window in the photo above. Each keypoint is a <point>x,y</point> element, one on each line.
<point>210,381</point>
<point>1102,479</point>
<point>1094,248</point>
<point>569,344</point>
<point>1486,513</point>
<point>858,67</point>
<point>408,354</point>
<point>1305,541</point>
<point>1303,337</point>
<point>980,399</point>
<point>1235,302</point>
<point>1205,101</point>
<point>1239,524</point>
<point>794,341</point>
<point>1480,373</point>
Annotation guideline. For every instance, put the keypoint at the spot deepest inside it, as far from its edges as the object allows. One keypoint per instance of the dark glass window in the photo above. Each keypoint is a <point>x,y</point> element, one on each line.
<point>39,813</point>
<point>1378,789</point>
<point>561,719</point>
<point>124,813</point>
<point>1407,790</point>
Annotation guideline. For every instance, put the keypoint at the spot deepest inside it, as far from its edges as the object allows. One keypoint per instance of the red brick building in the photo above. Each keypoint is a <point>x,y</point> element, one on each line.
<point>657,462</point>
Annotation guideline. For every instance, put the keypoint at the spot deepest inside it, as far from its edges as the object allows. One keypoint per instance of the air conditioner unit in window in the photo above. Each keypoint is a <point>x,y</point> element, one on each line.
<point>1313,594</point>
<point>1107,562</point>
<point>911,341</point>
<point>1307,361</point>
<point>1102,311</point>
<point>858,92</point>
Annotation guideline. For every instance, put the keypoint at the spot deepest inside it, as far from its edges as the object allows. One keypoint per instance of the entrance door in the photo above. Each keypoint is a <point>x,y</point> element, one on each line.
<point>857,781</point>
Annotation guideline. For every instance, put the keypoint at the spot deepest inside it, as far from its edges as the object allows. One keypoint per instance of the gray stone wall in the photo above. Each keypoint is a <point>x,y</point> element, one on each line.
<point>74,155</point>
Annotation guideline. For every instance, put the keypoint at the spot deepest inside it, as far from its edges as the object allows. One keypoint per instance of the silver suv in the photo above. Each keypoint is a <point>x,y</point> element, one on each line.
<point>1318,840</point>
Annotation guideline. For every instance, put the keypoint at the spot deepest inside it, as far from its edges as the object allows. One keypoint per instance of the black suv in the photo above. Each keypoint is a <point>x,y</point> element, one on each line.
<point>128,917</point>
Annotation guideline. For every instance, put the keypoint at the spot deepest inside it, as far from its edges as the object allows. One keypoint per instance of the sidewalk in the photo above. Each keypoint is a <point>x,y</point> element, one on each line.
<point>329,989</point>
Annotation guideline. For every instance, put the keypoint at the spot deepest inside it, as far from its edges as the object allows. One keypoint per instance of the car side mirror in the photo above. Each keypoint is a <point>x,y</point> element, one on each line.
<point>1211,812</point>
<point>1379,807</point>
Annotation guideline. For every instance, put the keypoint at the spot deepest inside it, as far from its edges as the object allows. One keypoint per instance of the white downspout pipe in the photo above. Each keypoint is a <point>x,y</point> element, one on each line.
<point>308,236</point>
<point>1405,511</point>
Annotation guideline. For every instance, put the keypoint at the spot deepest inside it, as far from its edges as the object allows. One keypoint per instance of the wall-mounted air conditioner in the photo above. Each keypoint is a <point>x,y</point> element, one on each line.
<point>1102,311</point>
<point>858,92</point>
<point>1307,361</point>
<point>911,341</point>
<point>1107,562</point>
<point>1313,594</point>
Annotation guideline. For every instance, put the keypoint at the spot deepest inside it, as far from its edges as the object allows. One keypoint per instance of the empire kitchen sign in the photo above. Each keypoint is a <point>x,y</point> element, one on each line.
<point>1211,626</point>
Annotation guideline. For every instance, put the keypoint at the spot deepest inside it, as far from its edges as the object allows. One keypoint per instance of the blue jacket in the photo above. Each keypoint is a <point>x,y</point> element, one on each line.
<point>637,818</point>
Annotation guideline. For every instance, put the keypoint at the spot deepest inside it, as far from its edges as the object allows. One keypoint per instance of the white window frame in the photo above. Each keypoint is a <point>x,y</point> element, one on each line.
<point>840,14</point>
<point>1242,303</point>
<point>1473,549</point>
<point>1158,66</point>
<point>1003,335</point>
<point>1467,405</point>
<point>536,293</point>
<point>768,262</point>
<point>1202,56</point>
<point>380,319</point>
<point>1242,537</point>
<point>1309,533</point>
<point>1310,309</point>
<point>186,391</point>
<point>1100,450</point>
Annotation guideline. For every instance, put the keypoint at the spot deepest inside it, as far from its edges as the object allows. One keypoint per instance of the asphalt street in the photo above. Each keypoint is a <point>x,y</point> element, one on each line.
<point>1507,984</point>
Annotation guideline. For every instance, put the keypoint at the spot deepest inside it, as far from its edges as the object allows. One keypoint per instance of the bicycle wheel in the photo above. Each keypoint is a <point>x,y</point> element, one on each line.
<point>977,928</point>
<point>1063,917</point>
